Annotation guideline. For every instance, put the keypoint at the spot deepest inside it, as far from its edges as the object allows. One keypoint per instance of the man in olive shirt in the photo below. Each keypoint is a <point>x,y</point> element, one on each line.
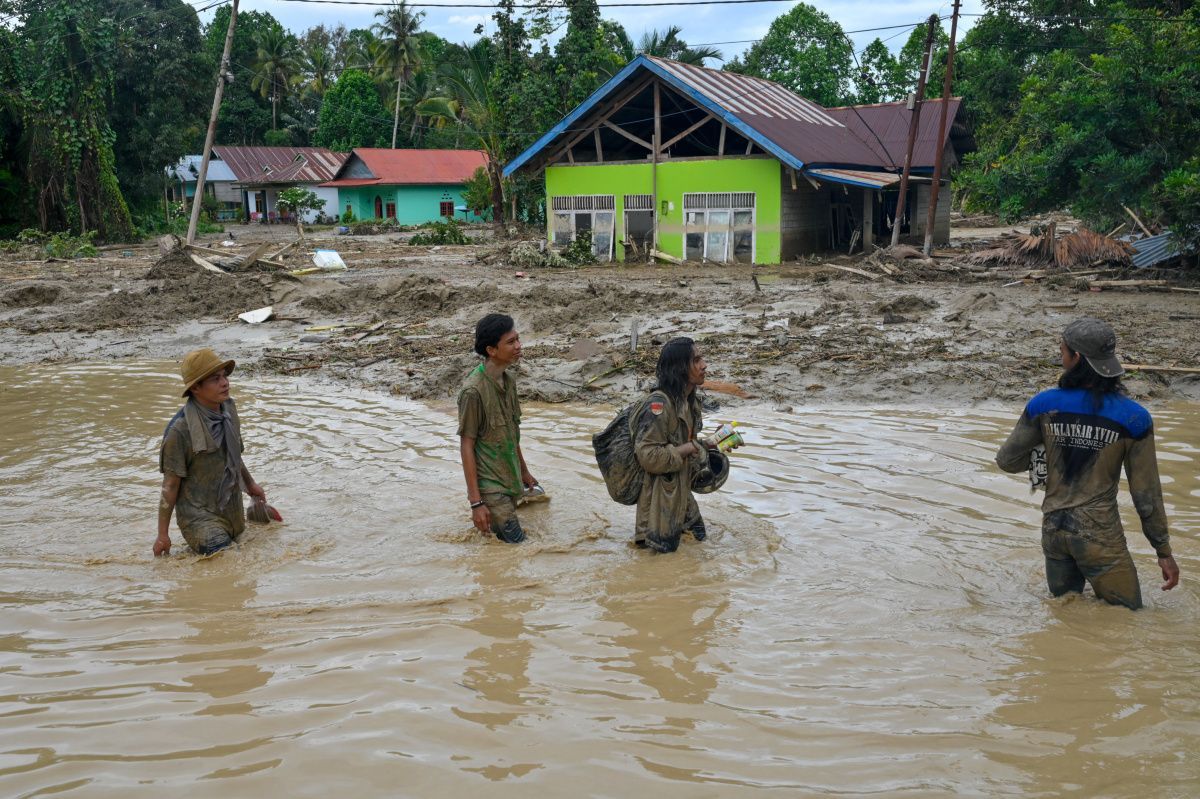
<point>201,462</point>
<point>1091,430</point>
<point>489,429</point>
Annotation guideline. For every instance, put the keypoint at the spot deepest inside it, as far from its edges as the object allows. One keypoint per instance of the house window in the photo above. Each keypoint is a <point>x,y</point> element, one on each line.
<point>719,226</point>
<point>391,210</point>
<point>446,209</point>
<point>594,213</point>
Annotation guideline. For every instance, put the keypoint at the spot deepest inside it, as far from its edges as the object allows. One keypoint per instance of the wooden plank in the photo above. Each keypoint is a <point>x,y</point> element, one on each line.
<point>1142,367</point>
<point>852,270</point>
<point>209,251</point>
<point>657,148</point>
<point>749,146</point>
<point>629,136</point>
<point>688,132</point>
<point>662,256</point>
<point>620,102</point>
<point>1116,284</point>
<point>255,254</point>
<point>282,250</point>
<point>721,146</point>
<point>1182,289</point>
<point>1139,222</point>
<point>211,267</point>
<point>599,149</point>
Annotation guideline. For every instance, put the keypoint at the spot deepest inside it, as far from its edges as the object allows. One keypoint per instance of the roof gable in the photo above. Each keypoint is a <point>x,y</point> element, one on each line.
<point>798,132</point>
<point>264,165</point>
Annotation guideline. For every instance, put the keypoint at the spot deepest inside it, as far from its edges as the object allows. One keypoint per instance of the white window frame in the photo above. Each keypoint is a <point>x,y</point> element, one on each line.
<point>571,206</point>
<point>729,202</point>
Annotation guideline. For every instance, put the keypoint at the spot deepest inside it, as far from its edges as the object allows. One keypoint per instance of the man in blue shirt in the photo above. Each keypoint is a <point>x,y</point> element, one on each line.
<point>1090,430</point>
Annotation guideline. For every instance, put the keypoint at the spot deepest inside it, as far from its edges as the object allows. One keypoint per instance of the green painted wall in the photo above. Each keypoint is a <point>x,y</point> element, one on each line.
<point>415,205</point>
<point>676,178</point>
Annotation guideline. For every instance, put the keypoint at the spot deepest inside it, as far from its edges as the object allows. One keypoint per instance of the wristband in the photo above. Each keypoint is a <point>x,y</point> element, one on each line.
<point>478,504</point>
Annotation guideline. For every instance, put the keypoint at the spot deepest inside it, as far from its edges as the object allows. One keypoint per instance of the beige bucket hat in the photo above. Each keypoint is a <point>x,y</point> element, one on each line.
<point>199,364</point>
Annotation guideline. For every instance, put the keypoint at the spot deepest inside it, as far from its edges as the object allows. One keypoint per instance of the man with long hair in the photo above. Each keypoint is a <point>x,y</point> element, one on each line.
<point>1090,429</point>
<point>489,429</point>
<point>668,448</point>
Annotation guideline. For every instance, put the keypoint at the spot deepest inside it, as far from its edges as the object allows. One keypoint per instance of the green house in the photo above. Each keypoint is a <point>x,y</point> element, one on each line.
<point>705,165</point>
<point>413,187</point>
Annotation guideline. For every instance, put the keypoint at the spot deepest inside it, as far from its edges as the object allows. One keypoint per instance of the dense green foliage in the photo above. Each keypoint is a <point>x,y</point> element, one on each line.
<point>352,114</point>
<point>1091,114</point>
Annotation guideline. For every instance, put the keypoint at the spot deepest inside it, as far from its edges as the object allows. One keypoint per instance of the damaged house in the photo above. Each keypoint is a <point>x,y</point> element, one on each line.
<point>706,165</point>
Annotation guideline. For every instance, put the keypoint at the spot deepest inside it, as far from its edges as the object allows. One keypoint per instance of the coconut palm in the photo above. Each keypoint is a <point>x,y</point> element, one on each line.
<point>319,71</point>
<point>401,52</point>
<point>667,44</point>
<point>276,68</point>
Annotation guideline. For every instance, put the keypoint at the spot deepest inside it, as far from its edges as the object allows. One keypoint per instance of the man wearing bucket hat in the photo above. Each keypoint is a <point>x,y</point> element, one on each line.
<point>201,461</point>
<point>1090,429</point>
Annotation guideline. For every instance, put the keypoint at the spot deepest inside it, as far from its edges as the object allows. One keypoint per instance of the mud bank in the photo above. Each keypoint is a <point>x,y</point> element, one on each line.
<point>401,317</point>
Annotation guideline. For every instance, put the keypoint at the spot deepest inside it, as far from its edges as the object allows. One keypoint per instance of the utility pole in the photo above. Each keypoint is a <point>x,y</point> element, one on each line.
<point>223,76</point>
<point>941,136</point>
<point>913,125</point>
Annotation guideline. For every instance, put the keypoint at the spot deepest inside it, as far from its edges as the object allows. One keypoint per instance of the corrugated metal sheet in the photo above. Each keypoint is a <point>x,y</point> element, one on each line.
<point>859,177</point>
<point>413,167</point>
<point>1153,249</point>
<point>795,130</point>
<point>267,165</point>
<point>188,169</point>
<point>889,121</point>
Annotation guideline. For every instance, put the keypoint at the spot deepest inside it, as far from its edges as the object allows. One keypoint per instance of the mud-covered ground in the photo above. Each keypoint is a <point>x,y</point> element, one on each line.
<point>401,318</point>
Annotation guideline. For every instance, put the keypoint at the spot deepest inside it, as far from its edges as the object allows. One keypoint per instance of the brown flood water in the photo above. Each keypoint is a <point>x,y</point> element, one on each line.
<point>867,617</point>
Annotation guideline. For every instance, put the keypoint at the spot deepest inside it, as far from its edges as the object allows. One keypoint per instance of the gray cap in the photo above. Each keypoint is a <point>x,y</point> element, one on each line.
<point>1096,341</point>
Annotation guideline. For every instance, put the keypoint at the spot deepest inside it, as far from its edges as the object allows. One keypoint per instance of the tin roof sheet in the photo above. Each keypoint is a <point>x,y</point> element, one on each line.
<point>889,122</point>
<point>188,170</point>
<point>414,167</point>
<point>266,165</point>
<point>861,177</point>
<point>1153,249</point>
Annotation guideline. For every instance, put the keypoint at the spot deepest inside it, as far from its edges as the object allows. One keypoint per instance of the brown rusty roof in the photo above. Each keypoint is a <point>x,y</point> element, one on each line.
<point>889,121</point>
<point>267,165</point>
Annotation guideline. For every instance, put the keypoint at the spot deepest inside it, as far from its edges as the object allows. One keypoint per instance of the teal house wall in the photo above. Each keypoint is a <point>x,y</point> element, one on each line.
<point>415,205</point>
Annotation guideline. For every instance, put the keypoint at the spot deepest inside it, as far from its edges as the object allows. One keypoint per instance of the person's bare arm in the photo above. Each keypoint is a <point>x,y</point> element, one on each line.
<point>166,507</point>
<point>526,477</point>
<point>252,488</point>
<point>481,517</point>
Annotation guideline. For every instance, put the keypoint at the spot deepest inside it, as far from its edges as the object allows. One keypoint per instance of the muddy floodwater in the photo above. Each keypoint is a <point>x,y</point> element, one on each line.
<point>868,616</point>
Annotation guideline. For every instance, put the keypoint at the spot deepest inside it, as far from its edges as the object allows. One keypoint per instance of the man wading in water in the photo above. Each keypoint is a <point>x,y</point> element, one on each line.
<point>489,430</point>
<point>201,462</point>
<point>667,446</point>
<point>1090,429</point>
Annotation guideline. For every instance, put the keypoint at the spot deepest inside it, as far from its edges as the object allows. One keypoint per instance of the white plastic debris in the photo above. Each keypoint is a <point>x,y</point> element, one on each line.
<point>329,260</point>
<point>257,316</point>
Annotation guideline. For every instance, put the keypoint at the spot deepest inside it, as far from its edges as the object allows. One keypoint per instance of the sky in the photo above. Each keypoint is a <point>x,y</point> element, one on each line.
<point>724,26</point>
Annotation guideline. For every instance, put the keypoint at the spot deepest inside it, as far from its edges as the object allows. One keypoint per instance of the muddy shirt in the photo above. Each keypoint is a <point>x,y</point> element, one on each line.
<point>1086,447</point>
<point>665,504</point>
<point>491,414</point>
<point>189,452</point>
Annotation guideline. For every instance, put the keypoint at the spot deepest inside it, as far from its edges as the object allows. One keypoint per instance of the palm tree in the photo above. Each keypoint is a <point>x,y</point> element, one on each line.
<point>471,105</point>
<point>421,87</point>
<point>401,51</point>
<point>276,68</point>
<point>319,70</point>
<point>667,44</point>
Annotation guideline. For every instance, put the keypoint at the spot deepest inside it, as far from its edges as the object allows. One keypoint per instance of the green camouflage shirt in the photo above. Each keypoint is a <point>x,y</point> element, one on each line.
<point>490,413</point>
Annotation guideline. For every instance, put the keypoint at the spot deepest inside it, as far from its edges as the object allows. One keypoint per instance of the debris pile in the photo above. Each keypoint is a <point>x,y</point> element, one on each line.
<point>1082,249</point>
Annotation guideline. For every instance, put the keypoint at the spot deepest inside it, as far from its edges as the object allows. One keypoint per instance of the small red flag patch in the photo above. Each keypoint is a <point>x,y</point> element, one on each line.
<point>656,408</point>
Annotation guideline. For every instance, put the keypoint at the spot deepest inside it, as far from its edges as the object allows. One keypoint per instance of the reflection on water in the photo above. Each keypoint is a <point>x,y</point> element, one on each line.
<point>868,615</point>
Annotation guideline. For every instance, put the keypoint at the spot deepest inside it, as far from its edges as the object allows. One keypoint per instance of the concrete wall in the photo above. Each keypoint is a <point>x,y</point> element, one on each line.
<point>804,218</point>
<point>756,174</point>
<point>415,205</point>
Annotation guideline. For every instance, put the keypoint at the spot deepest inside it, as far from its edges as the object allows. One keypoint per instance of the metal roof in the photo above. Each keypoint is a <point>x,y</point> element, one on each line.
<point>889,121</point>
<point>1153,249</point>
<point>860,177</point>
<point>188,170</point>
<point>411,167</point>
<point>268,165</point>
<point>797,131</point>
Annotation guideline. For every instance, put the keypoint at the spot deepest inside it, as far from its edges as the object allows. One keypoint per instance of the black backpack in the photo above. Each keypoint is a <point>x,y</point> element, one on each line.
<point>614,454</point>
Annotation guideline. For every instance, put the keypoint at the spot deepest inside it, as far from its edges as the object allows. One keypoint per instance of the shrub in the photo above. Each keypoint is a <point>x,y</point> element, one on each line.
<point>579,252</point>
<point>446,231</point>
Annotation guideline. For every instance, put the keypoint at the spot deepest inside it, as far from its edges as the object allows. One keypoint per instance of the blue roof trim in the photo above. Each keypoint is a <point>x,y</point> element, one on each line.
<point>698,97</point>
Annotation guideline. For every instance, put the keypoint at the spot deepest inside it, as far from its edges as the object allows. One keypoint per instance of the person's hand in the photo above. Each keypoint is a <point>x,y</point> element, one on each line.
<point>1170,572</point>
<point>256,491</point>
<point>162,545</point>
<point>482,518</point>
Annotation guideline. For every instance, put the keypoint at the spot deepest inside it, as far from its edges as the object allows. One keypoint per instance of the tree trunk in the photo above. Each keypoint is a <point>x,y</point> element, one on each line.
<point>396,119</point>
<point>497,197</point>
